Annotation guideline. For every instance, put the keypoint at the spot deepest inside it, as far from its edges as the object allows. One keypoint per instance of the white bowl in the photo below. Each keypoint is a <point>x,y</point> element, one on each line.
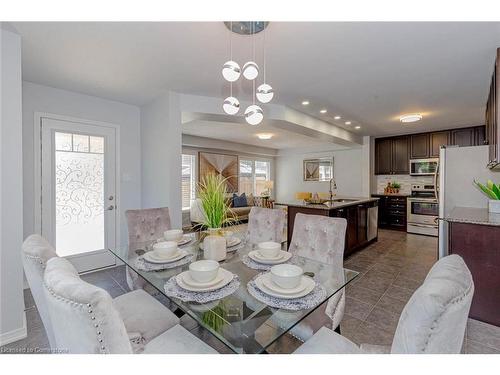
<point>286,276</point>
<point>173,235</point>
<point>269,249</point>
<point>165,249</point>
<point>204,271</point>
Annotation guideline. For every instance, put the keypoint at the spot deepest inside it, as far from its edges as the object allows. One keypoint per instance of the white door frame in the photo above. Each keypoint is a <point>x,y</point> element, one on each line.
<point>37,163</point>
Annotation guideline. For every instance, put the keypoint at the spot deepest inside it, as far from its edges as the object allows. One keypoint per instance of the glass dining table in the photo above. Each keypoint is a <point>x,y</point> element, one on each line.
<point>240,321</point>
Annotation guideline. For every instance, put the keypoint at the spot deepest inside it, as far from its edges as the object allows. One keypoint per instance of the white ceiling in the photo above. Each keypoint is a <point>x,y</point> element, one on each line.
<point>242,133</point>
<point>368,73</point>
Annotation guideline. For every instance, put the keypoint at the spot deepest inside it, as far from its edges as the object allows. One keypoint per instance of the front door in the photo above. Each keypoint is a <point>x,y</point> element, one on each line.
<point>78,200</point>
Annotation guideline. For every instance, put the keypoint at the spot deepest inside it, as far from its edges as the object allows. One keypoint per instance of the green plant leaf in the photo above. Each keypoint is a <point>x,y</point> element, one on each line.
<point>496,190</point>
<point>486,190</point>
<point>490,184</point>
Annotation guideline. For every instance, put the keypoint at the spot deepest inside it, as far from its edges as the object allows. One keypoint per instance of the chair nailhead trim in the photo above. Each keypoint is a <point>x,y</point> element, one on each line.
<point>81,305</point>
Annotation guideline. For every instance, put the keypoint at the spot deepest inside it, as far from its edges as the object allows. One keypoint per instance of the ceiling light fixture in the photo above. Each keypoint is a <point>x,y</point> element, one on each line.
<point>323,111</point>
<point>337,118</point>
<point>411,117</point>
<point>231,105</point>
<point>357,127</point>
<point>347,123</point>
<point>254,115</point>
<point>305,102</point>
<point>265,135</point>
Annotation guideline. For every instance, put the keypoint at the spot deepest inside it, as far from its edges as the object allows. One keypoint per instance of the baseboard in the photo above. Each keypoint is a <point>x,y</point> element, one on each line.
<point>14,335</point>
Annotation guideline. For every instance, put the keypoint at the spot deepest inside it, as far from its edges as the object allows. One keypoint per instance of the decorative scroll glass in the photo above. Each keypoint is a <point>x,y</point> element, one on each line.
<point>79,193</point>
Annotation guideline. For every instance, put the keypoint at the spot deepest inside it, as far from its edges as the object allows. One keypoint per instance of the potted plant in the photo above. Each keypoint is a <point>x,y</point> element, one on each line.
<point>217,213</point>
<point>492,191</point>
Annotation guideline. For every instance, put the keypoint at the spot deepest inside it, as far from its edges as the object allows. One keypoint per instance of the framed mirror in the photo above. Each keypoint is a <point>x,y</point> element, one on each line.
<point>320,169</point>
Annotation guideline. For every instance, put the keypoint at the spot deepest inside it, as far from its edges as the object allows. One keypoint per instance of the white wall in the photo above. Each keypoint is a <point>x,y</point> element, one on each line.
<point>12,317</point>
<point>38,98</point>
<point>161,140</point>
<point>349,173</point>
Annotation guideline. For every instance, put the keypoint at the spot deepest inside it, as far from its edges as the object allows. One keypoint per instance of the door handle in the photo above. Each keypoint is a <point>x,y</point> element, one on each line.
<point>111,208</point>
<point>111,198</point>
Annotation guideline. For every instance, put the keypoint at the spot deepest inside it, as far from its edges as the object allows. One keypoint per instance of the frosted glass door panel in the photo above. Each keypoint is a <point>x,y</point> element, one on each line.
<point>79,195</point>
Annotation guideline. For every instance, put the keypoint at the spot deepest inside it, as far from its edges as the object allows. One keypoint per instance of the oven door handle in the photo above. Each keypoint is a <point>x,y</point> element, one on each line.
<point>423,225</point>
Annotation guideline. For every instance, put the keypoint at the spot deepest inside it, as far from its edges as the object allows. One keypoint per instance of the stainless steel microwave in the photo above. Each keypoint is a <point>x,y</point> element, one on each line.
<point>423,167</point>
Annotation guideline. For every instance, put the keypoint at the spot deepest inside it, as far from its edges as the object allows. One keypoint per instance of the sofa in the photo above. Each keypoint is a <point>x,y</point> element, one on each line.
<point>197,214</point>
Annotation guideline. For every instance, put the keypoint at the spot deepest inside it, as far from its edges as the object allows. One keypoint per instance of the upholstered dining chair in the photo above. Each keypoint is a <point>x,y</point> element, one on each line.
<point>321,238</point>
<point>432,322</point>
<point>147,224</point>
<point>36,253</point>
<point>145,318</point>
<point>87,320</point>
<point>265,224</point>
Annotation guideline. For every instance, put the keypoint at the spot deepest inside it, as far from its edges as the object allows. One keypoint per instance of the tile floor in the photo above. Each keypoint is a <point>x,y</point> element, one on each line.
<point>390,270</point>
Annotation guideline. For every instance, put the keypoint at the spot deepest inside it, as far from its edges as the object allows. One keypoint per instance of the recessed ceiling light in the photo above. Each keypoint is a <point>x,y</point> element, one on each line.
<point>264,135</point>
<point>323,111</point>
<point>337,118</point>
<point>305,102</point>
<point>411,117</point>
<point>357,127</point>
<point>347,123</point>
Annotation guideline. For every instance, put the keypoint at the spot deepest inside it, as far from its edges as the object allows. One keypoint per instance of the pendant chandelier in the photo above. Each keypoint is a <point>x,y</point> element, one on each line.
<point>231,72</point>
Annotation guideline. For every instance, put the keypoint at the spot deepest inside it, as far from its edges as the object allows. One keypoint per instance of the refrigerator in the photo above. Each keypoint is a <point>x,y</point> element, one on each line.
<point>458,167</point>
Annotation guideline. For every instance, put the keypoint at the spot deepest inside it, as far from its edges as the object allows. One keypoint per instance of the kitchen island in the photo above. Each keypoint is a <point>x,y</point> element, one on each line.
<point>361,215</point>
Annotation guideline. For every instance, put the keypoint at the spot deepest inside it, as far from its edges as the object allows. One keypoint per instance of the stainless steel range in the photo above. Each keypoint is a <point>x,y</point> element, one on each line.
<point>422,210</point>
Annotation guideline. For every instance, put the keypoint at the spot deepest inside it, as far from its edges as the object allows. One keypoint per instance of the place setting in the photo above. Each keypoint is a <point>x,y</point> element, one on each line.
<point>177,235</point>
<point>266,255</point>
<point>286,286</point>
<point>203,282</point>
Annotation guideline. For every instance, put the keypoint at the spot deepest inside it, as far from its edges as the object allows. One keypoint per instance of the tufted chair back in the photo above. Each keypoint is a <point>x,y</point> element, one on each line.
<point>84,318</point>
<point>36,253</point>
<point>322,238</point>
<point>434,319</point>
<point>147,224</point>
<point>265,224</point>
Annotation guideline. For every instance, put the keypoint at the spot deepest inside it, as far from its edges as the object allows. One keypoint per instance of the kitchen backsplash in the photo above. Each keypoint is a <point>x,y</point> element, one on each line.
<point>405,180</point>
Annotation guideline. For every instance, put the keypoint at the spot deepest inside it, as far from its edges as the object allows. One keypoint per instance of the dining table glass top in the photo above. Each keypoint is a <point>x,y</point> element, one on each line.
<point>240,321</point>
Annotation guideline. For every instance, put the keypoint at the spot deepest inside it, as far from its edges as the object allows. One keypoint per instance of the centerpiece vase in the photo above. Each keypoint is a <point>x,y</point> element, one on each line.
<point>214,245</point>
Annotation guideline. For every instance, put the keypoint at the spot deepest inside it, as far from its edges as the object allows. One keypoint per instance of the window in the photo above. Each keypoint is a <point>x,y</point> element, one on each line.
<point>253,175</point>
<point>188,181</point>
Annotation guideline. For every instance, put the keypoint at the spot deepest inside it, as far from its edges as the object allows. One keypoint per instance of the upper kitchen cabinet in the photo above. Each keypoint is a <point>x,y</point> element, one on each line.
<point>392,155</point>
<point>400,155</point>
<point>463,137</point>
<point>419,146</point>
<point>383,156</point>
<point>436,140</point>
<point>492,113</point>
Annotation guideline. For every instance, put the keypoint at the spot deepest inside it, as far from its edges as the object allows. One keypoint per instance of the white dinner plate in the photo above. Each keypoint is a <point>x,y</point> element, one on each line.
<point>270,284</point>
<point>284,257</point>
<point>152,258</point>
<point>233,241</point>
<point>188,279</point>
<point>308,283</point>
<point>185,240</point>
<point>227,277</point>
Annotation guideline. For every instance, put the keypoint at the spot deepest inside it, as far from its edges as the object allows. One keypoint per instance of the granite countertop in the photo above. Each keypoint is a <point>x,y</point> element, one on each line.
<point>472,215</point>
<point>334,206</point>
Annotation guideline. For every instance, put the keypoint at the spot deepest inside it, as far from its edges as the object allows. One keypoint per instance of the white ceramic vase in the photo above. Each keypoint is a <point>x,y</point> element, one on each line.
<point>214,245</point>
<point>494,206</point>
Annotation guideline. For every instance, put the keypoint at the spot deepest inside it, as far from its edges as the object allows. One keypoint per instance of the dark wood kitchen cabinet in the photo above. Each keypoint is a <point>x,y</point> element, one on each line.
<point>419,146</point>
<point>436,140</point>
<point>478,246</point>
<point>392,155</point>
<point>463,137</point>
<point>383,156</point>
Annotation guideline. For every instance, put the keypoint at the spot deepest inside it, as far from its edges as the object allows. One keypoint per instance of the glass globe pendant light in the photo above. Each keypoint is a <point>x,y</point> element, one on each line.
<point>231,70</point>
<point>254,114</point>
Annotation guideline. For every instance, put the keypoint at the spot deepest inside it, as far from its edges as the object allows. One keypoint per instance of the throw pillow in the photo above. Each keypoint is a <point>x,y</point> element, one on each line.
<point>250,200</point>
<point>240,201</point>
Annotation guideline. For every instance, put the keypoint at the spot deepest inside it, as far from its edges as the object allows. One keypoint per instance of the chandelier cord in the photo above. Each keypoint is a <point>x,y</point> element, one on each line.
<point>231,55</point>
<point>253,58</point>
<point>265,63</point>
